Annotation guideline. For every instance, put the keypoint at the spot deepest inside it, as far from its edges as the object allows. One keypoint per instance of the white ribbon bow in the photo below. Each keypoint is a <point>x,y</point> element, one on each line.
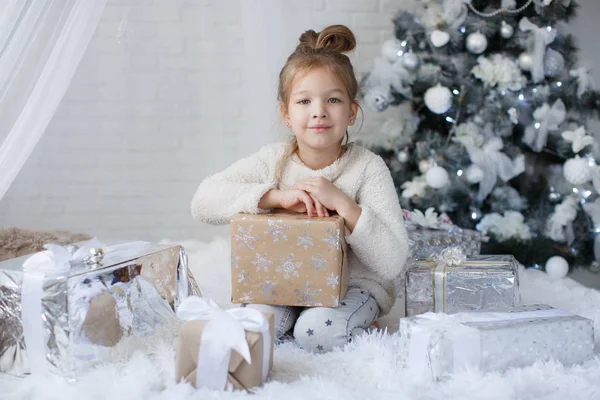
<point>578,138</point>
<point>54,261</point>
<point>541,38</point>
<point>224,331</point>
<point>494,165</point>
<point>429,330</point>
<point>429,219</point>
<point>585,81</point>
<point>547,119</point>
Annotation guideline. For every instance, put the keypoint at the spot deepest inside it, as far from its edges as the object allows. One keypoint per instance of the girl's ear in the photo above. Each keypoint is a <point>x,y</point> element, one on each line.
<point>285,116</point>
<point>353,112</point>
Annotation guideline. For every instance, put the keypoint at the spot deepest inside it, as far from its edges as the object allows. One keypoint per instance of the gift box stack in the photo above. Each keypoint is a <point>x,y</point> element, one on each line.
<point>464,312</point>
<point>63,309</point>
<point>288,259</point>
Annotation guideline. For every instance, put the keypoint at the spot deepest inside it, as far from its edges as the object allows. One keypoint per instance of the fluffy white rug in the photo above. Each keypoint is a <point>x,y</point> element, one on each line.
<point>366,369</point>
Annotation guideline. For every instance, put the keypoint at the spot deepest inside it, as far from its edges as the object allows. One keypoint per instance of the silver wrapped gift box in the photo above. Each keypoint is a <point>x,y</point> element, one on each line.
<point>484,282</point>
<point>441,344</point>
<point>425,242</point>
<point>429,234</point>
<point>64,309</point>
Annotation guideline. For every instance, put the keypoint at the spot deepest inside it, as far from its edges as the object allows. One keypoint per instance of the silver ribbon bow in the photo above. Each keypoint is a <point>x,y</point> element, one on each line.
<point>546,119</point>
<point>542,36</point>
<point>450,256</point>
<point>494,164</point>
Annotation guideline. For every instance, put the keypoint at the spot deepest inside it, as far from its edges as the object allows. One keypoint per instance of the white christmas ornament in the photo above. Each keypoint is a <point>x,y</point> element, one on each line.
<point>474,174</point>
<point>437,177</point>
<point>476,42</point>
<point>392,50</point>
<point>438,99</point>
<point>410,61</point>
<point>525,61</point>
<point>557,267</point>
<point>439,38</point>
<point>506,30</point>
<point>577,171</point>
<point>402,156</point>
<point>424,166</point>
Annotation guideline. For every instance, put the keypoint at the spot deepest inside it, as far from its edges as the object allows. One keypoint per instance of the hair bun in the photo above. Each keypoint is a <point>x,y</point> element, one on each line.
<point>336,38</point>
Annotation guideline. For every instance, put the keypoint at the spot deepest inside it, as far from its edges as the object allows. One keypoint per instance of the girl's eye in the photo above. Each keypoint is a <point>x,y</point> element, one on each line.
<point>303,102</point>
<point>334,100</point>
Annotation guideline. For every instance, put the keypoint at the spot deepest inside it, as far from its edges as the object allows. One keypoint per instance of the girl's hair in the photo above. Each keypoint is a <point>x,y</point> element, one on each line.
<point>318,50</point>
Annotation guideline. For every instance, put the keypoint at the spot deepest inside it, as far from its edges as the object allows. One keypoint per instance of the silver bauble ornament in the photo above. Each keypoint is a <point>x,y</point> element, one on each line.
<point>525,61</point>
<point>437,177</point>
<point>392,50</point>
<point>506,30</point>
<point>96,255</point>
<point>476,42</point>
<point>554,63</point>
<point>438,99</point>
<point>410,61</point>
<point>577,171</point>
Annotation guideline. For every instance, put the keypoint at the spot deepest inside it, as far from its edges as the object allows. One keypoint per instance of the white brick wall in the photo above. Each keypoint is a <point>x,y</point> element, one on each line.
<point>155,107</point>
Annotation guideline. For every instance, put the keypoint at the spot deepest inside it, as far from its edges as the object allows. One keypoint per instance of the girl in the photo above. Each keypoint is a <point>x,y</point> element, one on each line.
<point>317,173</point>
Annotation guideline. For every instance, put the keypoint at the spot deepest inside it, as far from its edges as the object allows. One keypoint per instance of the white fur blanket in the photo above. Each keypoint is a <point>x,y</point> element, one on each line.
<point>368,368</point>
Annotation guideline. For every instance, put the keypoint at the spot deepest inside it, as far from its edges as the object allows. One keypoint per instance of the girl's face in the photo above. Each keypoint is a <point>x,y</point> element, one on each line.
<point>319,110</point>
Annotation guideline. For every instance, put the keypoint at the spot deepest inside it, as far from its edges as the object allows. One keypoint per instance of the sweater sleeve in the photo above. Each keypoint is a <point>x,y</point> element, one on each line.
<point>237,189</point>
<point>379,239</point>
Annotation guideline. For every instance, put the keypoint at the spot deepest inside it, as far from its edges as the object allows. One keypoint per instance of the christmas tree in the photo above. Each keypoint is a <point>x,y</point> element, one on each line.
<point>489,124</point>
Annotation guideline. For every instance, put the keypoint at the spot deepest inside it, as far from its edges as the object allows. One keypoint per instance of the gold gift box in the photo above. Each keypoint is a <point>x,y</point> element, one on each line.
<point>241,375</point>
<point>288,259</point>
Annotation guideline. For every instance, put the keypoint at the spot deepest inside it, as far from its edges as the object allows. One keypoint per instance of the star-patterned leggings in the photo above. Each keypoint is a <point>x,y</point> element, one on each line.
<point>320,329</point>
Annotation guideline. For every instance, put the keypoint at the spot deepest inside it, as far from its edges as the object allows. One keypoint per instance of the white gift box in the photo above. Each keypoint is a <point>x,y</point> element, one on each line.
<point>439,344</point>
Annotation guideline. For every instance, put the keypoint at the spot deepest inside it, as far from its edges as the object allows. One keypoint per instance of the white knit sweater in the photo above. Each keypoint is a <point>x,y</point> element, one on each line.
<point>379,243</point>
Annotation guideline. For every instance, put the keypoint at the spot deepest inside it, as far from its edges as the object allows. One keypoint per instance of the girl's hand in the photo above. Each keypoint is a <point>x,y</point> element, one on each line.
<point>323,191</point>
<point>301,202</point>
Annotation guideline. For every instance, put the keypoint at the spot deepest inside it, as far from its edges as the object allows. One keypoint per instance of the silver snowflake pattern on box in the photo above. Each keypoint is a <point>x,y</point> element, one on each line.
<point>335,300</point>
<point>267,288</point>
<point>305,240</point>
<point>308,295</point>
<point>277,229</point>
<point>235,259</point>
<point>243,277</point>
<point>262,262</point>
<point>318,262</point>
<point>333,280</point>
<point>247,297</point>
<point>332,239</point>
<point>244,237</point>
<point>289,267</point>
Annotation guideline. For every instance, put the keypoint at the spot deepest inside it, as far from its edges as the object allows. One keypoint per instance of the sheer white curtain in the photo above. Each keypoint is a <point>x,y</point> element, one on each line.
<point>41,45</point>
<point>271,29</point>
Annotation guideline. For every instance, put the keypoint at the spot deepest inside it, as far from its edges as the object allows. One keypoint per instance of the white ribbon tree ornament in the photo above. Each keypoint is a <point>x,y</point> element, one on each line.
<point>547,118</point>
<point>494,165</point>
<point>542,36</point>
